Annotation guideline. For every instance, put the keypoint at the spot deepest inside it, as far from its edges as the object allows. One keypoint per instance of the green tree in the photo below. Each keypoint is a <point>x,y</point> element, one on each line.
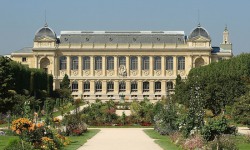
<point>6,77</point>
<point>241,110</point>
<point>65,84</point>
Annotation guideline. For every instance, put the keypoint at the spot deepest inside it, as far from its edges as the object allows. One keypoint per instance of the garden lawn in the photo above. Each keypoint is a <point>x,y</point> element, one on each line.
<point>4,140</point>
<point>78,141</point>
<point>242,142</point>
<point>163,141</point>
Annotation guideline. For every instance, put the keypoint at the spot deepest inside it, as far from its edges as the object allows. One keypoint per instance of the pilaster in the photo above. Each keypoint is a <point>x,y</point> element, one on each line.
<point>163,65</point>
<point>127,65</point>
<point>104,65</point>
<point>92,65</point>
<point>68,65</point>
<point>151,65</point>
<point>115,65</point>
<point>80,65</point>
<point>139,65</point>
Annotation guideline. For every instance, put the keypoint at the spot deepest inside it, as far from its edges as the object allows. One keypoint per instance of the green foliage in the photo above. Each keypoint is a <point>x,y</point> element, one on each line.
<point>75,124</point>
<point>65,84</point>
<point>166,119</point>
<point>241,110</point>
<point>221,83</point>
<point>17,144</point>
<point>216,127</point>
<point>225,142</point>
<point>99,113</point>
<point>143,111</point>
<point>6,83</point>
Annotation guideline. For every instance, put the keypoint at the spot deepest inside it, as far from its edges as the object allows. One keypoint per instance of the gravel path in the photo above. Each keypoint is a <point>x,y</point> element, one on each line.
<point>120,139</point>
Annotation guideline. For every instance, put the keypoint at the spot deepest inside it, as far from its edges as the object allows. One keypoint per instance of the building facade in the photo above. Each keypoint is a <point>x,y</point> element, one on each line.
<point>110,65</point>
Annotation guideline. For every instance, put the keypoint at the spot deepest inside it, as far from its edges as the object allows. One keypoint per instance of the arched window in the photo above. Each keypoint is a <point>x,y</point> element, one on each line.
<point>169,63</point>
<point>74,63</point>
<point>86,86</point>
<point>181,63</point>
<point>134,86</point>
<point>74,86</point>
<point>158,86</point>
<point>98,63</point>
<point>86,63</point>
<point>145,63</point>
<point>63,63</point>
<point>110,63</point>
<point>98,86</point>
<point>170,85</point>
<point>122,86</point>
<point>110,86</point>
<point>122,61</point>
<point>145,86</point>
<point>157,63</point>
<point>133,63</point>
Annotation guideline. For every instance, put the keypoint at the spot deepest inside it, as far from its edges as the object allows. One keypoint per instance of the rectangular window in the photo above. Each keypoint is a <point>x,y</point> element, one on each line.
<point>86,63</point>
<point>24,59</point>
<point>169,63</point>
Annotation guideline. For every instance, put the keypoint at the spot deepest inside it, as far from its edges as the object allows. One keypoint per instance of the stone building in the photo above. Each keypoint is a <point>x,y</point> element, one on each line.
<point>111,65</point>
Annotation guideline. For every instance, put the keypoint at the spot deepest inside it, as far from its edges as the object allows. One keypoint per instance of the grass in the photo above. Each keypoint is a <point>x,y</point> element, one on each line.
<point>125,126</point>
<point>78,141</point>
<point>163,141</point>
<point>4,140</point>
<point>242,142</point>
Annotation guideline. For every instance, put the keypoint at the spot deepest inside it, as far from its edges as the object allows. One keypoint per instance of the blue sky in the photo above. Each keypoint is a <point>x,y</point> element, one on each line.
<point>20,19</point>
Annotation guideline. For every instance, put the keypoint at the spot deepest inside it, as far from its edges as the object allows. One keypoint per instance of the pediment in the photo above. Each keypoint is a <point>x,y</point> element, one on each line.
<point>200,39</point>
<point>45,39</point>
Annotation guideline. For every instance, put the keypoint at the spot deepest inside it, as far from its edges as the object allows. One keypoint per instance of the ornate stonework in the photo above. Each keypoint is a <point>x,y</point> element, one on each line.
<point>169,72</point>
<point>133,72</point>
<point>181,72</point>
<point>74,72</point>
<point>110,72</point>
<point>145,72</point>
<point>98,72</point>
<point>86,72</point>
<point>157,72</point>
<point>62,72</point>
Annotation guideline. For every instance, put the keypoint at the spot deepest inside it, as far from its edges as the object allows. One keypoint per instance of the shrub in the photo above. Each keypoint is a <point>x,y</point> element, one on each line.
<point>17,144</point>
<point>216,127</point>
<point>74,125</point>
<point>195,142</point>
<point>177,138</point>
<point>166,120</point>
<point>224,142</point>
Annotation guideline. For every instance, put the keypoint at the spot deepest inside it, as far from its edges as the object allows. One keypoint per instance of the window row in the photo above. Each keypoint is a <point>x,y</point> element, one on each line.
<point>122,86</point>
<point>121,61</point>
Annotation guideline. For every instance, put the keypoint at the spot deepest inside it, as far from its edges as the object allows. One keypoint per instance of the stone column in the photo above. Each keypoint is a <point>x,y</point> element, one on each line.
<point>139,86</point>
<point>115,65</point>
<point>151,65</point>
<point>116,87</point>
<point>80,87</point>
<point>92,86</point>
<point>151,87</point>
<point>79,65</point>
<point>163,65</point>
<point>175,66</point>
<point>127,65</point>
<point>55,72</point>
<point>104,65</point>
<point>36,61</point>
<point>92,69</point>
<point>104,87</point>
<point>163,88</point>
<point>128,87</point>
<point>139,65</point>
<point>68,65</point>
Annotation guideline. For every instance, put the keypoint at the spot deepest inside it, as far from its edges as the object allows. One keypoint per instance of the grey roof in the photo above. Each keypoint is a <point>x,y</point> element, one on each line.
<point>199,31</point>
<point>24,50</point>
<point>122,37</point>
<point>45,32</point>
